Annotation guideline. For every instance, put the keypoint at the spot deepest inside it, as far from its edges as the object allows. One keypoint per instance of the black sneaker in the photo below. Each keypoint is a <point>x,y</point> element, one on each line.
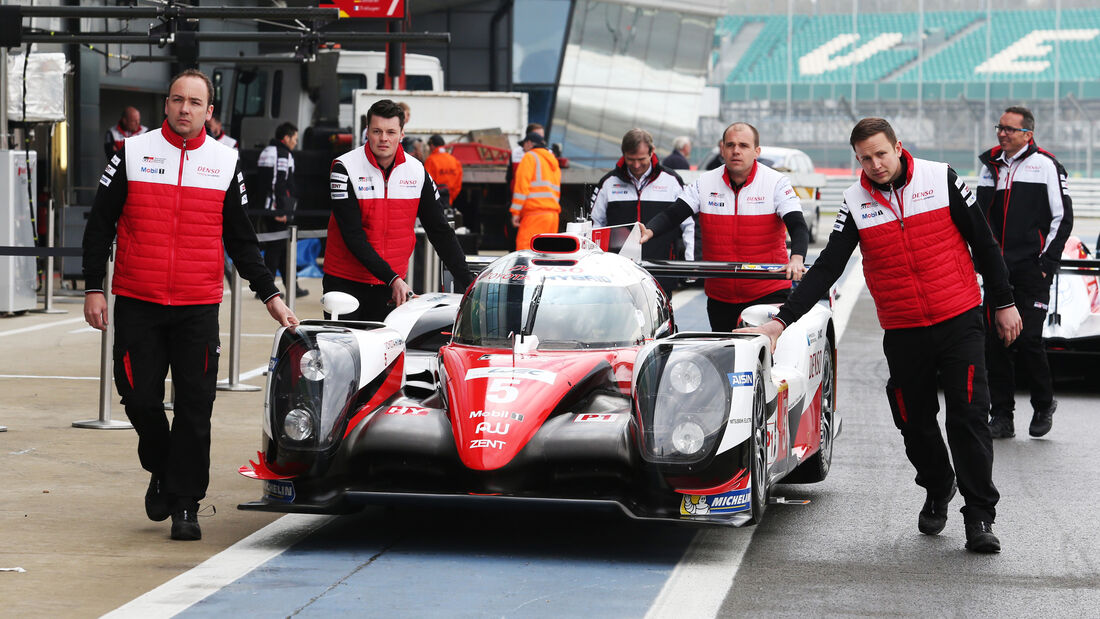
<point>980,538</point>
<point>1042,421</point>
<point>156,503</point>
<point>185,525</point>
<point>933,516</point>
<point>301,292</point>
<point>1002,427</point>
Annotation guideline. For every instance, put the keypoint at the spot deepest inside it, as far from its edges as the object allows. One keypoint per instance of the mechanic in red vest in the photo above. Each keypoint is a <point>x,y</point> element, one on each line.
<point>172,197</point>
<point>129,125</point>
<point>913,220</point>
<point>376,193</point>
<point>746,209</point>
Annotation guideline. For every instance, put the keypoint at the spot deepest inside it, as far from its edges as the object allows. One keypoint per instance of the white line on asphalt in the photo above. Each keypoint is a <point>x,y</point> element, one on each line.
<point>26,376</point>
<point>849,294</point>
<point>703,577</point>
<point>208,577</point>
<point>46,325</point>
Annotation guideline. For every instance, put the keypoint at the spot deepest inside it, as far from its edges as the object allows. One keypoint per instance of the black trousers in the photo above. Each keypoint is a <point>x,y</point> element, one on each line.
<point>723,316</point>
<point>950,353</point>
<point>1032,293</point>
<point>374,299</point>
<point>150,339</point>
<point>275,251</point>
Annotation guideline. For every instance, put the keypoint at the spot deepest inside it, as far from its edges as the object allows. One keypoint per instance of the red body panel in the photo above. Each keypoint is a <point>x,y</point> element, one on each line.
<point>498,400</point>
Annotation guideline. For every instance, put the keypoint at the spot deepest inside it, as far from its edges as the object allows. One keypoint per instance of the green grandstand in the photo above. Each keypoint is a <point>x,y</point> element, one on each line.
<point>1018,54</point>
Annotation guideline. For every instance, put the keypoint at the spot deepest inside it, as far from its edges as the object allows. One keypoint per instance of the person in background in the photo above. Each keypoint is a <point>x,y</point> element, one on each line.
<point>376,193</point>
<point>129,125</point>
<point>1022,191</point>
<point>216,131</point>
<point>678,159</point>
<point>444,169</point>
<point>920,233</point>
<point>637,190</point>
<point>536,196</point>
<point>275,177</point>
<point>171,228</point>
<point>746,210</point>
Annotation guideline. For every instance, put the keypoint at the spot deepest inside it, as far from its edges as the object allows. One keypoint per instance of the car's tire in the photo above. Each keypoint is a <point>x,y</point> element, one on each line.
<point>812,224</point>
<point>816,467</point>
<point>758,452</point>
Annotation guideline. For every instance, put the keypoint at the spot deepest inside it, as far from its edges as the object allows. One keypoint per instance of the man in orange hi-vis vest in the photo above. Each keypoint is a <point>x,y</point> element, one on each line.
<point>537,193</point>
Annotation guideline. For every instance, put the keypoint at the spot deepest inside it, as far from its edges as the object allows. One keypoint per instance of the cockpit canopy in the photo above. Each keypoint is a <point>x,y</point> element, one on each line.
<point>590,300</point>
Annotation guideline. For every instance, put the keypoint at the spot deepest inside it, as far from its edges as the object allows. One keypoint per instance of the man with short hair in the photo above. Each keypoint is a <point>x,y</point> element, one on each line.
<point>217,131</point>
<point>918,227</point>
<point>746,210</point>
<point>536,195</point>
<point>1022,190</point>
<point>444,168</point>
<point>172,197</point>
<point>376,193</point>
<point>681,151</point>
<point>129,125</point>
<point>275,177</point>
<point>637,189</point>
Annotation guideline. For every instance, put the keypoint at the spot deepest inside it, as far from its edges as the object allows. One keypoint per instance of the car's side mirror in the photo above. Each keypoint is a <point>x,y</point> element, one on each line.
<point>337,303</point>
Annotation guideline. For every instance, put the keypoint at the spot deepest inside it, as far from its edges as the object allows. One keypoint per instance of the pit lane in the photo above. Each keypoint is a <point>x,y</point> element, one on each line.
<point>852,550</point>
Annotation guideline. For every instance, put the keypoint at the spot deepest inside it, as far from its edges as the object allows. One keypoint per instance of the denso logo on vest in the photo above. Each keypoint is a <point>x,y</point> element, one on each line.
<point>755,199</point>
<point>922,195</point>
<point>407,182</point>
<point>207,171</point>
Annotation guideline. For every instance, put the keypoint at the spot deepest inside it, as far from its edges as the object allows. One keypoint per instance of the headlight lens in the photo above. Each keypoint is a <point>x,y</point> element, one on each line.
<point>687,437</point>
<point>685,376</point>
<point>298,424</point>
<point>682,400</point>
<point>311,366</point>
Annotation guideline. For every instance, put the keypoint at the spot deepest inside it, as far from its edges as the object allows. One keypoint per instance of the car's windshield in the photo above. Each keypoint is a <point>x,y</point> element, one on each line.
<point>585,312</point>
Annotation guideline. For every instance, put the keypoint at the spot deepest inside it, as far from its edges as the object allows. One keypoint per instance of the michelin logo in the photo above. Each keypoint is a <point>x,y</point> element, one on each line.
<point>728,503</point>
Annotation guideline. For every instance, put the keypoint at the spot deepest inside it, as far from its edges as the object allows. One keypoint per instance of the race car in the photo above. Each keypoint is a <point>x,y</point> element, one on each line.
<point>559,376</point>
<point>1071,334</point>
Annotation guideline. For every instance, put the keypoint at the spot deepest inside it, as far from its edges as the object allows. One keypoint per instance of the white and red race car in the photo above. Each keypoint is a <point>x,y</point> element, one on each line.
<point>1072,331</point>
<point>559,376</point>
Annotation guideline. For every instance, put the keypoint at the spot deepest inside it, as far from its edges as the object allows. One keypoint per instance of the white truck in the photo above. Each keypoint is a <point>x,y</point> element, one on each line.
<point>453,114</point>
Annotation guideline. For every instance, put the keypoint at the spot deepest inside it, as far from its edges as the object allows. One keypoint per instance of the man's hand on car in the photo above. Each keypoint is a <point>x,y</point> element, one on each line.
<point>773,329</point>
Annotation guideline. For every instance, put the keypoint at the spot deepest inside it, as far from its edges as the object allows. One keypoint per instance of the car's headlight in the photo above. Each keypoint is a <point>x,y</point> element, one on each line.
<point>315,374</point>
<point>688,437</point>
<point>311,365</point>
<point>298,424</point>
<point>682,401</point>
<point>685,376</point>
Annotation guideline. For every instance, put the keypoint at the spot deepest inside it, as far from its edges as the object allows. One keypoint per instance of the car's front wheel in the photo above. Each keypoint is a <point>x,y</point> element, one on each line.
<point>758,451</point>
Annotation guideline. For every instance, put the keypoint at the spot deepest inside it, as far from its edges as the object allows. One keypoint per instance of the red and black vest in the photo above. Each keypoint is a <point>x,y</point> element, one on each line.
<point>387,208</point>
<point>170,231</point>
<point>915,260</point>
<point>745,225</point>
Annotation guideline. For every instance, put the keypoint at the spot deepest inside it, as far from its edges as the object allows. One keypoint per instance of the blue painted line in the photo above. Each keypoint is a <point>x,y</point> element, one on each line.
<point>525,563</point>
